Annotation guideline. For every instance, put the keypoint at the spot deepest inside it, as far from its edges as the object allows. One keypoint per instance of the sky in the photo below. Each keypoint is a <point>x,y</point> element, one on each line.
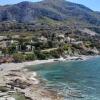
<point>93,4</point>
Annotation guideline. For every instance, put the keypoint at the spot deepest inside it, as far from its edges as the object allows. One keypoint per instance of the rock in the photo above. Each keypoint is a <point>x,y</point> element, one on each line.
<point>7,98</point>
<point>11,98</point>
<point>2,98</point>
<point>28,98</point>
<point>2,94</point>
<point>19,83</point>
<point>11,92</point>
<point>3,89</point>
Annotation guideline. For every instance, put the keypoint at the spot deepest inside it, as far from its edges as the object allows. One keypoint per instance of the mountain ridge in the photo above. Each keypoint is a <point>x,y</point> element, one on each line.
<point>57,10</point>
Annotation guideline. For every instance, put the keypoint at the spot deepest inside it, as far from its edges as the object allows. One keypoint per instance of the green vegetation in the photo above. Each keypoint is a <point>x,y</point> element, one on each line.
<point>48,42</point>
<point>31,56</point>
<point>18,57</point>
<point>19,96</point>
<point>3,89</point>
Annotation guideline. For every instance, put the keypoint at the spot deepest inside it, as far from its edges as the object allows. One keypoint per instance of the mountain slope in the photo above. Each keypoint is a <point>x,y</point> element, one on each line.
<point>58,10</point>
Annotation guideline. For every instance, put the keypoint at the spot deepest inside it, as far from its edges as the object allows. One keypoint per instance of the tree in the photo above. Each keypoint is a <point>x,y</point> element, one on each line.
<point>40,55</point>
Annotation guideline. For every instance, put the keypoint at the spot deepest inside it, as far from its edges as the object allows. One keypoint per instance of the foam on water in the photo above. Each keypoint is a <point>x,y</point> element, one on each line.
<point>78,80</point>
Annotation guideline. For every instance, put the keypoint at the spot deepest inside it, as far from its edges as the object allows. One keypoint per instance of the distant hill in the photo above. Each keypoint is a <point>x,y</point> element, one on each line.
<point>50,12</point>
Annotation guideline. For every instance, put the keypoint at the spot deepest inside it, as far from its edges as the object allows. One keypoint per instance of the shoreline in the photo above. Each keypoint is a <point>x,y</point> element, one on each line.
<point>10,66</point>
<point>36,62</point>
<point>10,72</point>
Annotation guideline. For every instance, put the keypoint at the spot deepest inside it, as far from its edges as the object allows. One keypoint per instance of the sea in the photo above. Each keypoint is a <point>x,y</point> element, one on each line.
<point>75,80</point>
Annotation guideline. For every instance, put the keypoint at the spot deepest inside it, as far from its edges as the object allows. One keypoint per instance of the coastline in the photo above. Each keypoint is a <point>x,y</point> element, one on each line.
<point>11,66</point>
<point>12,71</point>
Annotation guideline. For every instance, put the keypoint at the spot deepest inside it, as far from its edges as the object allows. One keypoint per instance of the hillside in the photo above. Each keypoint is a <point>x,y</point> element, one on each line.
<point>57,10</point>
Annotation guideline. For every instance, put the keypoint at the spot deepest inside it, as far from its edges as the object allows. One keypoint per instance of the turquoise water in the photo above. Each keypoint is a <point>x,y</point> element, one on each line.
<point>77,80</point>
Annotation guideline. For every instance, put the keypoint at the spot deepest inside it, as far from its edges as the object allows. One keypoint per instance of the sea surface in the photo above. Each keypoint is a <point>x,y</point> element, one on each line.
<point>75,80</point>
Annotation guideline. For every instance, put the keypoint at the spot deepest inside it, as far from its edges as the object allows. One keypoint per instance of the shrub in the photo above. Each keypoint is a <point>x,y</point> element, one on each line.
<point>30,57</point>
<point>18,57</point>
<point>55,54</point>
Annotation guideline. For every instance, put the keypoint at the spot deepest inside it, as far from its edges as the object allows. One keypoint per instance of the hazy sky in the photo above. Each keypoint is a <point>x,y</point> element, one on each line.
<point>93,4</point>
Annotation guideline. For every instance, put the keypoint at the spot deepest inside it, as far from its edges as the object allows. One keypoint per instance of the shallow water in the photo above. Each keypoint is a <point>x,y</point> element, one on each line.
<point>77,80</point>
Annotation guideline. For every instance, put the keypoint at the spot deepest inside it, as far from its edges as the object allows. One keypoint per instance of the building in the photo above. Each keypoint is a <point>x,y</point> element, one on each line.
<point>42,39</point>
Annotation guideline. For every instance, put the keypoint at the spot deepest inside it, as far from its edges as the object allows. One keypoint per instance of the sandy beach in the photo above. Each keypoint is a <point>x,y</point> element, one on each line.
<point>10,72</point>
